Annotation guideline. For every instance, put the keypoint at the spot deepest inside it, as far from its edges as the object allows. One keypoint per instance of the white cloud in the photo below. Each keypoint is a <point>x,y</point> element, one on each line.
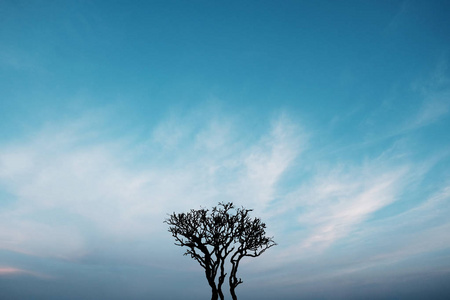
<point>362,246</point>
<point>334,203</point>
<point>73,188</point>
<point>268,160</point>
<point>78,193</point>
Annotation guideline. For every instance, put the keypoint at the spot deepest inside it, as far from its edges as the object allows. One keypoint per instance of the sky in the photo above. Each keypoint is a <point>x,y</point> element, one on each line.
<point>329,118</point>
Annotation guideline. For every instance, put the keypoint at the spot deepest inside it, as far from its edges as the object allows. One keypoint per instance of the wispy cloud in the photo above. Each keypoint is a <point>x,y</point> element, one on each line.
<point>342,243</point>
<point>73,188</point>
<point>10,271</point>
<point>336,201</point>
<point>432,110</point>
<point>435,93</point>
<point>80,195</point>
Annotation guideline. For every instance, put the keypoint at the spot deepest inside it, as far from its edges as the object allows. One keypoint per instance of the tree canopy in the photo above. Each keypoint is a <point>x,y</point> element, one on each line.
<point>212,236</point>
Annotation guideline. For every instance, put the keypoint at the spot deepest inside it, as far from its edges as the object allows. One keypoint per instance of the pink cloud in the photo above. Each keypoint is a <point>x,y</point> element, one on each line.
<point>10,271</point>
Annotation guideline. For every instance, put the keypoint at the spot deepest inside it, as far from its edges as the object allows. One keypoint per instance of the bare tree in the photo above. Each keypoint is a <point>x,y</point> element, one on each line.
<point>212,236</point>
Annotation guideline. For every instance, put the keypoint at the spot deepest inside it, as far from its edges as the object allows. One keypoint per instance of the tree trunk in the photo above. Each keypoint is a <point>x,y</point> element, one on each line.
<point>233,293</point>
<point>221,294</point>
<point>221,280</point>
<point>233,280</point>
<point>212,284</point>
<point>214,295</point>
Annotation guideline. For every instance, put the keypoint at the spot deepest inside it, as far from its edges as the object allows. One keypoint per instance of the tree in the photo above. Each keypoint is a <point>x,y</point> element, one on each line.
<point>212,236</point>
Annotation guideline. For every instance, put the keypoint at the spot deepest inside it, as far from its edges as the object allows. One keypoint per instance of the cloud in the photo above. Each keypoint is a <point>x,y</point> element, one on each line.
<point>10,271</point>
<point>77,191</point>
<point>343,241</point>
<point>433,109</point>
<point>333,204</point>
<point>436,97</point>
<point>269,159</point>
<point>81,194</point>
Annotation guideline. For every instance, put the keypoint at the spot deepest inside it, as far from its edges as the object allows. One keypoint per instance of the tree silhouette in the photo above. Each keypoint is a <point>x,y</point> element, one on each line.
<point>213,235</point>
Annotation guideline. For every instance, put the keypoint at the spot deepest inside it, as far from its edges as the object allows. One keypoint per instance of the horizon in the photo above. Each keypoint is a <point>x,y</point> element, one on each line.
<point>329,119</point>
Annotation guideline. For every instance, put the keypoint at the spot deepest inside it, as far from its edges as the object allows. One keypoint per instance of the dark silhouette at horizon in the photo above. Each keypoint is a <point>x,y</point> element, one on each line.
<point>212,236</point>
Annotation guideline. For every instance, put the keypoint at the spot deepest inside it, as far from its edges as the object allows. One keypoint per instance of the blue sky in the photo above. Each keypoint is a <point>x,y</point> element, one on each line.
<point>329,118</point>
